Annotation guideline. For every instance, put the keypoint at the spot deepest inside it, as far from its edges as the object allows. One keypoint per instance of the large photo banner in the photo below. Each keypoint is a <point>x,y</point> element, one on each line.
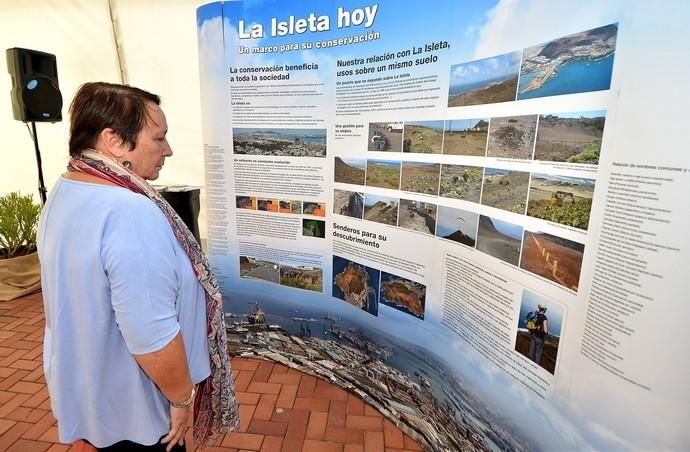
<point>470,214</point>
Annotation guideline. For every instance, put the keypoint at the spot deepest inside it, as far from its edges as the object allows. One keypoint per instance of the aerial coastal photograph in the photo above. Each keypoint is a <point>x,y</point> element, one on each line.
<point>356,283</point>
<point>280,142</point>
<point>578,63</point>
<point>403,294</point>
<point>485,81</point>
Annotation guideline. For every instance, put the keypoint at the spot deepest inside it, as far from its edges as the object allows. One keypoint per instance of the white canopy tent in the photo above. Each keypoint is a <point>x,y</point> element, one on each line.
<point>158,52</point>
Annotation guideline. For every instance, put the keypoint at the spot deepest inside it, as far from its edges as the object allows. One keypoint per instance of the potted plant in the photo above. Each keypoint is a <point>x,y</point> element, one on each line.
<point>20,272</point>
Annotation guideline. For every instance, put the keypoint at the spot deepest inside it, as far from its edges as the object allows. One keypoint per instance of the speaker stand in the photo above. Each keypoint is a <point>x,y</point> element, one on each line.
<point>41,185</point>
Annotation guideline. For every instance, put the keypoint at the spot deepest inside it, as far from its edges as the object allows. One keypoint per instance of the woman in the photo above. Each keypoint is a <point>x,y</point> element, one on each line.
<point>134,326</point>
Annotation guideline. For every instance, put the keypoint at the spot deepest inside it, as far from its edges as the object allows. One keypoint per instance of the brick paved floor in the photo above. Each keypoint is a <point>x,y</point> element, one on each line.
<point>281,409</point>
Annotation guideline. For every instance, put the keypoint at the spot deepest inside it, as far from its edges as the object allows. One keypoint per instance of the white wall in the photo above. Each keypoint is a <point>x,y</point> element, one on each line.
<point>160,48</point>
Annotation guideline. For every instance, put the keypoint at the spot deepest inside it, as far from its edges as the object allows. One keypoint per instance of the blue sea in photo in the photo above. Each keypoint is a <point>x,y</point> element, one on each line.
<point>579,76</point>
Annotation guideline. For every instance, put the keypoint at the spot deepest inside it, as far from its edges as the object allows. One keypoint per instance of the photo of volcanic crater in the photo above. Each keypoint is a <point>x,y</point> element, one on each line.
<point>403,294</point>
<point>356,283</point>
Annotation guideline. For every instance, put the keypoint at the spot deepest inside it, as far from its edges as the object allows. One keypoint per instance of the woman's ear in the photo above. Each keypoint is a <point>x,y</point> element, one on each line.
<point>111,142</point>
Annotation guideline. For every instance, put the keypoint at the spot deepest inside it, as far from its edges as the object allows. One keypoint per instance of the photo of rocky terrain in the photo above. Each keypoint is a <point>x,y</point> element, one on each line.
<point>417,216</point>
<point>504,189</point>
<point>423,137</point>
<point>570,137</point>
<point>461,182</point>
<point>499,239</point>
<point>349,171</point>
<point>512,137</point>
<point>302,277</point>
<point>348,203</point>
<point>381,209</point>
<point>420,177</point>
<point>383,174</point>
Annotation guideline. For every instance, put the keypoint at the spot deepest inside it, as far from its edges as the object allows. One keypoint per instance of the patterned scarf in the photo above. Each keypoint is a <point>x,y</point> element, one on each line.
<point>215,407</point>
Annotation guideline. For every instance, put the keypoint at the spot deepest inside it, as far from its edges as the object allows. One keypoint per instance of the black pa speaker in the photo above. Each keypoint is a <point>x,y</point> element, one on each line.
<point>35,92</point>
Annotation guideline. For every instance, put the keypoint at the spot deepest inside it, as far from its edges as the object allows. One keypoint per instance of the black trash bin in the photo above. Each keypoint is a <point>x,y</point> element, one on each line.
<point>185,201</point>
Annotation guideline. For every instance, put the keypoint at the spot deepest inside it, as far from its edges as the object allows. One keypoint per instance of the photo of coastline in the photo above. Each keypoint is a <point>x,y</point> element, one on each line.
<point>417,216</point>
<point>485,81</point>
<point>570,137</point>
<point>349,171</point>
<point>578,63</point>
<point>457,225</point>
<point>553,258</point>
<point>423,137</point>
<point>512,137</point>
<point>505,189</point>
<point>403,294</point>
<point>280,142</point>
<point>545,345</point>
<point>561,199</point>
<point>357,284</point>
<point>461,182</point>
<point>465,137</point>
<point>499,239</point>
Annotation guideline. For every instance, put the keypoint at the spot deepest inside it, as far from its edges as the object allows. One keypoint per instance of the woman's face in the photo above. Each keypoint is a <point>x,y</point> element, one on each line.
<point>148,157</point>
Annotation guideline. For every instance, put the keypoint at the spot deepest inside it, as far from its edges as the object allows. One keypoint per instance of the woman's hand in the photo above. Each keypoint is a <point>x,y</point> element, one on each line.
<point>178,427</point>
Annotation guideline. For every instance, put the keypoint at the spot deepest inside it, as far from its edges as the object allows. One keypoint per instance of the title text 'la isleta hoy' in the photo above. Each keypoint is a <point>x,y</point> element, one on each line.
<point>312,23</point>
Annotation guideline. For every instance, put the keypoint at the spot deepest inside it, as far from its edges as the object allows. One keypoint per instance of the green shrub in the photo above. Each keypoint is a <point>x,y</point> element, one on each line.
<point>18,224</point>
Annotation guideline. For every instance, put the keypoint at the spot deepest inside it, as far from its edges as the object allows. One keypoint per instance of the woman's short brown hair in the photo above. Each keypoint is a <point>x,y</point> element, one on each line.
<point>99,105</point>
